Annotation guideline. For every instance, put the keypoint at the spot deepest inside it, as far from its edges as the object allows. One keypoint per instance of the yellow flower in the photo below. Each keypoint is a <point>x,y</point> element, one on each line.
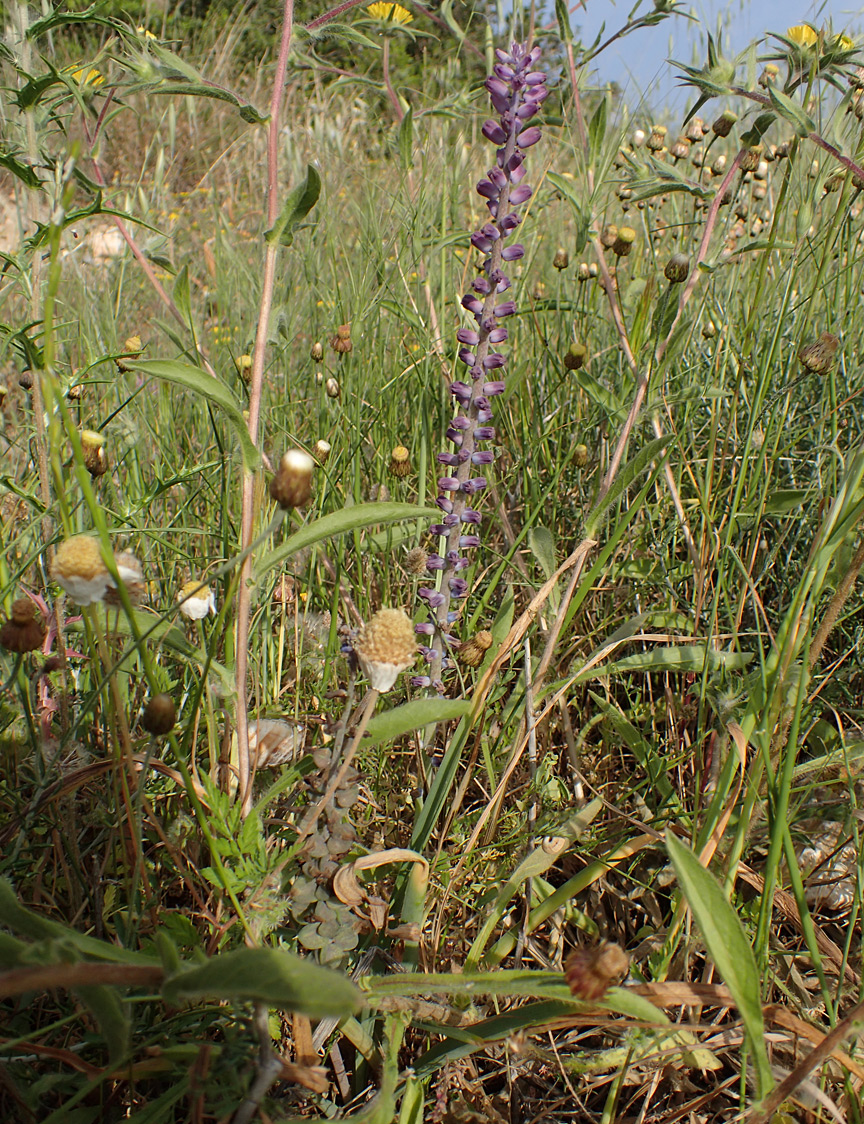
<point>141,30</point>
<point>392,13</point>
<point>196,600</point>
<point>89,77</point>
<point>802,34</point>
<point>844,42</point>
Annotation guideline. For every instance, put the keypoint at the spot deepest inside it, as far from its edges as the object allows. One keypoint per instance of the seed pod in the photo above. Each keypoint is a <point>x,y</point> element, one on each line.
<point>677,268</point>
<point>321,451</point>
<point>593,269</point>
<point>472,652</point>
<point>132,348</point>
<point>608,235</point>
<point>751,158</point>
<point>561,259</point>
<point>623,244</point>
<point>292,484</point>
<point>820,356</point>
<point>95,457</point>
<point>341,342</point>
<point>25,630</point>
<point>583,273</point>
<point>317,352</point>
<point>719,165</point>
<point>590,972</point>
<point>25,379</point>
<point>709,330</point>
<point>575,356</point>
<point>400,461</point>
<point>680,150</point>
<point>580,456</point>
<point>657,139</point>
<point>769,75</point>
<point>243,363</point>
<point>332,387</point>
<point>695,130</point>
<point>722,127</point>
<point>159,715</point>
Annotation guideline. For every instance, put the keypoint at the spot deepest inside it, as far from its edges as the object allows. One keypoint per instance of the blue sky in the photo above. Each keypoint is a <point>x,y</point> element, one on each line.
<point>639,62</point>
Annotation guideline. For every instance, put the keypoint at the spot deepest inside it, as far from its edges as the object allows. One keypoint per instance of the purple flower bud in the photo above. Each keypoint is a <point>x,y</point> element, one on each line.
<point>451,617</point>
<point>471,304</point>
<point>466,335</point>
<point>476,484</point>
<point>498,178</point>
<point>488,190</point>
<point>466,541</point>
<point>493,360</point>
<point>517,160</point>
<point>448,484</point>
<point>469,515</point>
<point>438,529</point>
<point>458,587</point>
<point>484,415</point>
<point>498,335</point>
<point>503,70</point>
<point>481,242</point>
<point>460,423</point>
<point>429,654</point>
<point>514,252</point>
<point>506,308</point>
<point>526,111</point>
<point>492,131</point>
<point>453,435</point>
<point>432,597</point>
<point>520,194</point>
<point>493,388</point>
<point>498,94</point>
<point>536,95</point>
<point>435,562</point>
<point>481,285</point>
<point>445,504</point>
<point>510,222</point>
<point>453,559</point>
<point>491,231</point>
<point>461,391</point>
<point>420,681</point>
<point>451,520</point>
<point>535,78</point>
<point>448,458</point>
<point>528,137</point>
<point>477,372</point>
<point>486,456</point>
<point>484,433</point>
<point>492,207</point>
<point>425,628</point>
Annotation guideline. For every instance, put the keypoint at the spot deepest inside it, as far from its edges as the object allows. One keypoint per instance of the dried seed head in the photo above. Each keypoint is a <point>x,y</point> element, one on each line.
<point>385,646</point>
<point>159,715</point>
<point>415,561</point>
<point>680,150</point>
<point>709,330</point>
<point>317,352</point>
<point>196,600</point>
<point>24,631</point>
<point>76,391</point>
<point>292,484</point>
<point>575,356</point>
<point>657,138</point>
<point>769,75</point>
<point>695,130</point>
<point>638,138</point>
<point>751,159</point>
<point>332,387</point>
<point>341,342</point>
<point>583,273</point>
<point>608,235</point>
<point>623,244</point>
<point>593,269</point>
<point>723,125</point>
<point>243,363</point>
<point>132,348</point>
<point>78,567</point>
<point>25,379</point>
<point>561,259</point>
<point>130,573</point>
<point>400,461</point>
<point>472,652</point>
<point>677,268</point>
<point>820,356</point>
<point>321,451</point>
<point>95,457</point>
<point>4,390</point>
<point>719,165</point>
<point>590,972</point>
<point>580,456</point>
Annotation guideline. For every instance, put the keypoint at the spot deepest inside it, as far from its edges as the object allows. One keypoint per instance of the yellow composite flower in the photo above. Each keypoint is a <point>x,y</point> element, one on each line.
<point>844,42</point>
<point>802,34</point>
<point>392,13</point>
<point>87,77</point>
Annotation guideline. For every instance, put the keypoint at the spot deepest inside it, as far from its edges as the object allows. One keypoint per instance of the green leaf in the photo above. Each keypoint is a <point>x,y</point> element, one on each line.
<point>23,171</point>
<point>338,523</point>
<point>562,14</point>
<point>181,294</point>
<point>406,141</point>
<point>299,203</point>
<point>565,187</point>
<point>268,975</point>
<point>11,951</point>
<point>205,386</point>
<point>392,724</point>
<point>106,1007</point>
<point>597,130</point>
<point>792,112</point>
<point>542,544</point>
<point>673,658</point>
<point>727,946</point>
<point>62,19</point>
<point>633,469</point>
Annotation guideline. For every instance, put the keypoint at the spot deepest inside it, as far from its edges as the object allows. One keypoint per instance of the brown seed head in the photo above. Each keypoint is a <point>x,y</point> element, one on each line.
<point>400,461</point>
<point>292,484</point>
<point>590,972</point>
<point>317,352</point>
<point>608,235</point>
<point>159,715</point>
<point>24,631</point>
<point>132,348</point>
<point>132,576</point>
<point>332,387</point>
<point>657,138</point>
<point>93,447</point>
<point>680,150</point>
<point>415,561</point>
<point>243,363</point>
<point>751,158</point>
<point>561,259</point>
<point>723,125</point>
<point>575,356</point>
<point>580,456</point>
<point>25,380</point>
<point>321,451</point>
<point>819,357</point>
<point>623,244</point>
<point>385,646</point>
<point>677,268</point>
<point>695,130</point>
<point>341,342</point>
<point>471,652</point>
<point>78,568</point>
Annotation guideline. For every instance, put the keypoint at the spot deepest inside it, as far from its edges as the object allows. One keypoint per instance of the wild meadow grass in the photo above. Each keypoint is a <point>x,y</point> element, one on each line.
<point>259,858</point>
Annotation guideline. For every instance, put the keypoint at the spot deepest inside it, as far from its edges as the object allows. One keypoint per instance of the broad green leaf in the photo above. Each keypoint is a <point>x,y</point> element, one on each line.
<point>338,523</point>
<point>301,199</point>
<point>11,951</point>
<point>792,112</point>
<point>268,975</point>
<point>568,190</point>
<point>204,386</point>
<point>542,544</point>
<point>562,14</point>
<point>727,946</point>
<point>181,294</point>
<point>600,394</point>
<point>406,141</point>
<point>629,472</point>
<point>247,112</point>
<point>392,724</point>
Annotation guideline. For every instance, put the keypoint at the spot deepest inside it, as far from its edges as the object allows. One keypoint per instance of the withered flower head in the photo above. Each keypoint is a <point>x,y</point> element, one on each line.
<point>657,137</point>
<point>722,127</point>
<point>575,356</point>
<point>130,573</point>
<point>243,363</point>
<point>415,561</point>
<point>159,715</point>
<point>819,357</point>
<point>608,235</point>
<point>317,352</point>
<point>24,631</point>
<point>332,387</point>
<point>292,484</point>
<point>196,600</point>
<point>341,342</point>
<point>751,158</point>
<point>561,259</point>
<point>400,461</point>
<point>322,451</point>
<point>385,646</point>
<point>623,244</point>
<point>677,268</point>
<point>472,651</point>
<point>78,567</point>
<point>132,348</point>
<point>95,457</point>
<point>580,456</point>
<point>590,972</point>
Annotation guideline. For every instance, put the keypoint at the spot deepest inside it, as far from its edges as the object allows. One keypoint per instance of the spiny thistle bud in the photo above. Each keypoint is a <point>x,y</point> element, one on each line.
<point>93,447</point>
<point>385,646</point>
<point>680,150</point>
<point>695,130</point>
<point>332,387</point>
<point>321,451</point>
<point>292,484</point>
<point>415,561</point>
<point>769,75</point>
<point>623,244</point>
<point>608,235</point>
<point>400,461</point>
<point>341,342</point>
<point>472,652</point>
<point>561,259</point>
<point>820,356</point>
<point>590,972</point>
<point>722,127</point>
<point>243,363</point>
<point>677,268</point>
<point>580,456</point>
<point>132,348</point>
<point>575,356</point>
<point>159,715</point>
<point>24,631</point>
<point>317,352</point>
<point>78,567</point>
<point>657,139</point>
<point>195,600</point>
<point>751,158</point>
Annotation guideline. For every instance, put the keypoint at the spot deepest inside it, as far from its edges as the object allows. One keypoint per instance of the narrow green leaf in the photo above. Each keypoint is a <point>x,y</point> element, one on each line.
<point>597,130</point>
<point>562,14</point>
<point>567,189</point>
<point>299,203</point>
<point>56,19</point>
<point>338,523</point>
<point>204,386</point>
<point>630,472</point>
<point>11,951</point>
<point>392,724</point>
<point>727,946</point>
<point>792,112</point>
<point>107,1008</point>
<point>268,975</point>
<point>671,658</point>
<point>406,141</point>
<point>181,294</point>
<point>23,171</point>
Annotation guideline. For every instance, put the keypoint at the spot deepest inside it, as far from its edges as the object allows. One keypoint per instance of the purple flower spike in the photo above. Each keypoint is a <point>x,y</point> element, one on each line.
<point>481,285</point>
<point>488,190</point>
<point>481,242</point>
<point>476,484</point>
<point>510,222</point>
<point>432,597</point>
<point>492,131</point>
<point>438,529</point>
<point>494,360</point>
<point>461,391</point>
<point>466,541</point>
<point>471,303</point>
<point>529,136</point>
<point>435,562</point>
<point>466,335</point>
<point>458,587</point>
<point>520,194</point>
<point>506,308</point>
<point>448,458</point>
<point>420,681</point>
<point>512,253</point>
<point>498,335</point>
